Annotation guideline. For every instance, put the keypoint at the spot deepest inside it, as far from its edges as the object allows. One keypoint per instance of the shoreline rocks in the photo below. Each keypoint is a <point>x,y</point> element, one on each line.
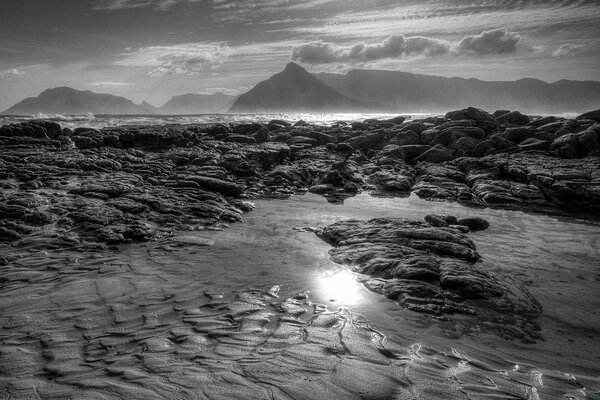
<point>130,183</point>
<point>433,268</point>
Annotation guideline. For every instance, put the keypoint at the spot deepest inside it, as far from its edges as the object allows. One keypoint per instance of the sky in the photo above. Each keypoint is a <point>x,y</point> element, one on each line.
<point>154,49</point>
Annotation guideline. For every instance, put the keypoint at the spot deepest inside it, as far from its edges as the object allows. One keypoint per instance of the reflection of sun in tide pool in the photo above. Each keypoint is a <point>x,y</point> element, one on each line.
<point>340,286</point>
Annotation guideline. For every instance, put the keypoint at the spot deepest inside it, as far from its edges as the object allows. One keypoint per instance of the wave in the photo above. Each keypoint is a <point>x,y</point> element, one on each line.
<point>98,121</point>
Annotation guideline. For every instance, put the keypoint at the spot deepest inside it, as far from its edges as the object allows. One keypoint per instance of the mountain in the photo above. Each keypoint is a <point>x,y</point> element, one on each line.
<point>197,104</point>
<point>294,89</point>
<point>65,100</point>
<point>407,92</point>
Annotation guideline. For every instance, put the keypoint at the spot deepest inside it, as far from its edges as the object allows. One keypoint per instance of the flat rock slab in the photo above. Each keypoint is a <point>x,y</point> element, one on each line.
<point>433,270</point>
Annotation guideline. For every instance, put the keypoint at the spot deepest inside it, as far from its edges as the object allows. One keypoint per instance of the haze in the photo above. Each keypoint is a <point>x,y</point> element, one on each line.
<point>154,49</point>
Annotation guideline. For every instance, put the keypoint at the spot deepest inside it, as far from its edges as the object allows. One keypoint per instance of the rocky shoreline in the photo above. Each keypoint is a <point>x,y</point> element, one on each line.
<point>92,188</point>
<point>88,189</point>
<point>72,200</point>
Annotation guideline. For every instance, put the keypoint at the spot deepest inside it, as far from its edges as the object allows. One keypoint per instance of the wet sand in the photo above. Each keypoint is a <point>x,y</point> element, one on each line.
<point>258,310</point>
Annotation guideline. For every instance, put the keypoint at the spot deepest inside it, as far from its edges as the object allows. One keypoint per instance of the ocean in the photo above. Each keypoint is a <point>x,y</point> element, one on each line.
<point>103,120</point>
<point>99,121</point>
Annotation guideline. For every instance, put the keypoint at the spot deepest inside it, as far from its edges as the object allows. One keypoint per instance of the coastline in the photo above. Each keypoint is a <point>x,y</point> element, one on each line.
<point>122,209</point>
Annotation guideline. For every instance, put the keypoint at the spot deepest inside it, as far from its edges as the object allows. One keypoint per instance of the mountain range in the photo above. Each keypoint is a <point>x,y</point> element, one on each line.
<point>65,100</point>
<point>296,90</point>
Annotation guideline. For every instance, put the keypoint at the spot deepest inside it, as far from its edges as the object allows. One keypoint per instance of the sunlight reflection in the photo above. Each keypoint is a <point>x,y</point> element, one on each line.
<point>340,286</point>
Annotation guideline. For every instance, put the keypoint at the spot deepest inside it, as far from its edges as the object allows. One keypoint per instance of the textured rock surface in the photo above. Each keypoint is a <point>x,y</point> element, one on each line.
<point>123,184</point>
<point>432,269</point>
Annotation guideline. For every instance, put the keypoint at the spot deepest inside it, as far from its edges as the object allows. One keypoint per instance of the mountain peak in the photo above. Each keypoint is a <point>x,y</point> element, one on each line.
<point>295,68</point>
<point>294,89</point>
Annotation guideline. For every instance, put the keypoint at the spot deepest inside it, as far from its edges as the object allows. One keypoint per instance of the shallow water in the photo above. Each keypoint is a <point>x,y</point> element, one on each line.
<point>106,120</point>
<point>148,321</point>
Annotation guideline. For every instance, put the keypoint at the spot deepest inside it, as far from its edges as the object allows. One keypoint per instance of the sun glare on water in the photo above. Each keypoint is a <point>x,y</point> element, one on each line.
<point>340,286</point>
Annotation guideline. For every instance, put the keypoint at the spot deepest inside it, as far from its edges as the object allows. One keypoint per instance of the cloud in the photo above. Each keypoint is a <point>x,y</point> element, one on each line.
<point>114,5</point>
<point>110,84</point>
<point>227,91</point>
<point>568,49</point>
<point>496,41</point>
<point>182,59</point>
<point>392,47</point>
<point>12,71</point>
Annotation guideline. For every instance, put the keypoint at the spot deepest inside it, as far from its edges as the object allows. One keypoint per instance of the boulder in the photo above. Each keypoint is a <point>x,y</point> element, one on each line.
<point>473,223</point>
<point>593,115</point>
<point>436,154</point>
<point>513,118</point>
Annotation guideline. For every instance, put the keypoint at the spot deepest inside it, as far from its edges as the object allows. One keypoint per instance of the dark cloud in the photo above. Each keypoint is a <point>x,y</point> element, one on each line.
<point>496,41</point>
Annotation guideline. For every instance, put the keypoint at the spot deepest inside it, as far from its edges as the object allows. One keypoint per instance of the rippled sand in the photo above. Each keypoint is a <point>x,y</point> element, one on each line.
<point>226,314</point>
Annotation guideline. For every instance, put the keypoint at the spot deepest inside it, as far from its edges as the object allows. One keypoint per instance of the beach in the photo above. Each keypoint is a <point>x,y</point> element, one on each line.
<point>439,256</point>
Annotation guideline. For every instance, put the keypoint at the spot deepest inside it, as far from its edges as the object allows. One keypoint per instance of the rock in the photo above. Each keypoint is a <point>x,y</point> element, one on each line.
<point>536,123</point>
<point>396,120</point>
<point>436,154</point>
<point>321,189</point>
<point>534,144</point>
<point>513,118</point>
<point>367,140</point>
<point>262,136</point>
<point>436,220</point>
<point>240,139</point>
<point>519,134</point>
<point>593,115</point>
<point>411,151</point>
<point>9,235</point>
<point>473,223</point>
<point>466,144</point>
<point>216,185</point>
<point>405,137</point>
<point>470,113</point>
<point>333,177</point>
<point>427,269</point>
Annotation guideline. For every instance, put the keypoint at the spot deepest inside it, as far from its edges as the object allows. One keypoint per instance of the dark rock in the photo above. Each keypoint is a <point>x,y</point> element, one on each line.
<point>517,135</point>
<point>411,151</point>
<point>216,185</point>
<point>593,115</point>
<point>240,139</point>
<point>536,123</point>
<point>405,137</point>
<point>321,189</point>
<point>396,120</point>
<point>368,140</point>
<point>427,269</point>
<point>436,154</point>
<point>513,118</point>
<point>262,136</point>
<point>8,235</point>
<point>436,220</point>
<point>474,223</point>
<point>470,113</point>
<point>534,144</point>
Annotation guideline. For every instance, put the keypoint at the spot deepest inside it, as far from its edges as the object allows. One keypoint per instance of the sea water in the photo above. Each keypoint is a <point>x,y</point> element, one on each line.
<point>100,121</point>
<point>115,308</point>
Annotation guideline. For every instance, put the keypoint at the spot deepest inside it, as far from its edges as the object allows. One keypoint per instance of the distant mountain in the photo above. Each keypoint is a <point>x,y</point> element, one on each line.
<point>197,104</point>
<point>294,89</point>
<point>407,92</point>
<point>65,100</point>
